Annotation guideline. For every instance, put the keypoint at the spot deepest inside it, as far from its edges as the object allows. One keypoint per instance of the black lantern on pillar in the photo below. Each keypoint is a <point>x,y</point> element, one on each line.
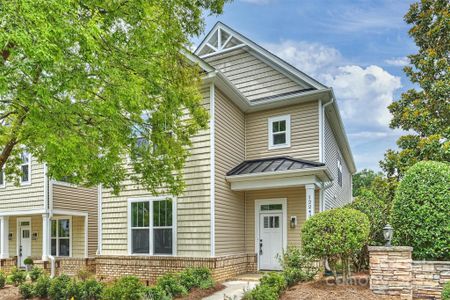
<point>388,232</point>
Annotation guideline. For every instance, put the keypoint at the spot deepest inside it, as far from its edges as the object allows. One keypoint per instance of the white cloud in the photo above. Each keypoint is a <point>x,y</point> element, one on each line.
<point>363,93</point>
<point>398,61</point>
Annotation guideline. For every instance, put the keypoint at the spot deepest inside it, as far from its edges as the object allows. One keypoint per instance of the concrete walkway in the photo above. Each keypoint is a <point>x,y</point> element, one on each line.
<point>235,289</point>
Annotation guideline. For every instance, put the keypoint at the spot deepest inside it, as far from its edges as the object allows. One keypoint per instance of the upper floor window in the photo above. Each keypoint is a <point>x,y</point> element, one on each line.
<point>152,228</point>
<point>279,132</point>
<point>339,169</point>
<point>25,167</point>
<point>2,178</point>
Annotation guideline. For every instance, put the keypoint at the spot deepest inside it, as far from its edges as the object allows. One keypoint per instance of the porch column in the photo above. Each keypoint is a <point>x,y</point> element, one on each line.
<point>86,238</point>
<point>45,236</point>
<point>310,200</point>
<point>4,239</point>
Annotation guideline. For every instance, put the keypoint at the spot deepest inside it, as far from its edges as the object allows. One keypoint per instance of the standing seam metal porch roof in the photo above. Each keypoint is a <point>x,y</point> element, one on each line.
<point>272,164</point>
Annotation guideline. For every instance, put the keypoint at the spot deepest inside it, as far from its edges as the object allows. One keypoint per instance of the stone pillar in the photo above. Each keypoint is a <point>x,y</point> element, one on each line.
<point>391,272</point>
<point>4,237</point>
<point>310,200</point>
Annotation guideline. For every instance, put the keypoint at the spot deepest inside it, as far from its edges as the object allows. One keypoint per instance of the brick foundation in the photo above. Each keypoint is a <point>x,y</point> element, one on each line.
<point>148,268</point>
<point>394,275</point>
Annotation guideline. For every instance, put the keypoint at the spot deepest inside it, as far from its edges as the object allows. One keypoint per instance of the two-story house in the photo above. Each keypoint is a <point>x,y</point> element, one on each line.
<point>42,218</point>
<point>275,154</point>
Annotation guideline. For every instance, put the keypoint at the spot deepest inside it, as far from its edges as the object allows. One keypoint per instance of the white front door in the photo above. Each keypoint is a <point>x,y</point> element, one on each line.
<point>24,241</point>
<point>270,240</point>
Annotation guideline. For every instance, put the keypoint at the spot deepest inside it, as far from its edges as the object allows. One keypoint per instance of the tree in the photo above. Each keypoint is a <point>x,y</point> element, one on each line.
<point>84,83</point>
<point>363,180</point>
<point>424,112</point>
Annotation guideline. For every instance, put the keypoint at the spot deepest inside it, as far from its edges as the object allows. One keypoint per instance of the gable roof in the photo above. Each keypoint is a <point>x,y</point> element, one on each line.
<point>212,45</point>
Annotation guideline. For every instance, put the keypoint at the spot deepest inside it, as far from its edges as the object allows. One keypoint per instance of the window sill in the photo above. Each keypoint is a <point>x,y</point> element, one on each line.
<point>276,147</point>
<point>25,183</point>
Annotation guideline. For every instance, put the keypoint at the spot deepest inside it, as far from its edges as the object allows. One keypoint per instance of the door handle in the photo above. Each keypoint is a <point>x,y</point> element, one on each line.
<point>260,247</point>
<point>20,251</point>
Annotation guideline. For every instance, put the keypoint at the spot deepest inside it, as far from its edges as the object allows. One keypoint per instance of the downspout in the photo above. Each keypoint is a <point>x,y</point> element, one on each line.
<point>48,194</point>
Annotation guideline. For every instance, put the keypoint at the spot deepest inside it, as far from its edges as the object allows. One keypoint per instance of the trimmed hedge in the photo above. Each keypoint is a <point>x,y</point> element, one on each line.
<point>421,210</point>
<point>446,291</point>
<point>336,234</point>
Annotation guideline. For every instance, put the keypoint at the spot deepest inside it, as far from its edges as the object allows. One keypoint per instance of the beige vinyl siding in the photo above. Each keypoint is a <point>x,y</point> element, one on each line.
<point>79,199</point>
<point>253,77</point>
<point>335,196</point>
<point>77,239</point>
<point>24,197</point>
<point>304,132</point>
<point>229,149</point>
<point>296,206</point>
<point>193,206</point>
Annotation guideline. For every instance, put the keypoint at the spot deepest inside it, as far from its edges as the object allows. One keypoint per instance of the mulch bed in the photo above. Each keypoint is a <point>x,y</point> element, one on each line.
<point>326,288</point>
<point>198,294</point>
<point>9,292</point>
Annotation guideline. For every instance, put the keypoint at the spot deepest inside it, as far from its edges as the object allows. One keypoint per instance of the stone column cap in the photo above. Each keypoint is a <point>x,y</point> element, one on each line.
<point>390,249</point>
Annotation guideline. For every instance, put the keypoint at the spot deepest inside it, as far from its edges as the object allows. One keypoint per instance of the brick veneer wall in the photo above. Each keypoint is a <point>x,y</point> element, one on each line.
<point>148,268</point>
<point>6,264</point>
<point>394,275</point>
<point>71,266</point>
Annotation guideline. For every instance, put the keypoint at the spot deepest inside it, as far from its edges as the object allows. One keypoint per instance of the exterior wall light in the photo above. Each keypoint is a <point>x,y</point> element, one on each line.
<point>388,232</point>
<point>293,222</point>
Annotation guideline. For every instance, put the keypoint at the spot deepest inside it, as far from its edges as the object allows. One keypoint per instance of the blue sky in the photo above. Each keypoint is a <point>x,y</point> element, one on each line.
<point>357,47</point>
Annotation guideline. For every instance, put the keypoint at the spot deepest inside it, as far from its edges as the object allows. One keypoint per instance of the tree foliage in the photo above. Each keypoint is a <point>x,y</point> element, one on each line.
<point>421,210</point>
<point>363,180</point>
<point>82,81</point>
<point>424,112</point>
<point>336,234</point>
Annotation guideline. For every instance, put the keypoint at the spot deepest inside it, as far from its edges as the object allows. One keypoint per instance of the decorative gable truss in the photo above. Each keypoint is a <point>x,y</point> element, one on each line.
<point>218,41</point>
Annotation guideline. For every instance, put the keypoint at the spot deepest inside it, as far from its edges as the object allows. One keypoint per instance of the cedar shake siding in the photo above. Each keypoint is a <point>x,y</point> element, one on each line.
<point>193,206</point>
<point>229,205</point>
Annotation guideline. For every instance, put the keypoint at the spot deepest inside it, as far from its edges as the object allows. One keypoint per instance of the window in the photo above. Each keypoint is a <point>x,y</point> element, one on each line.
<point>2,179</point>
<point>272,222</point>
<point>271,207</point>
<point>60,237</point>
<point>25,168</point>
<point>280,132</point>
<point>152,229</point>
<point>339,169</point>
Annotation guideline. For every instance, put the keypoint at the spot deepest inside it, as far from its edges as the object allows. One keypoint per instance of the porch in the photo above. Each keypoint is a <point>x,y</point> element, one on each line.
<point>38,236</point>
<point>280,195</point>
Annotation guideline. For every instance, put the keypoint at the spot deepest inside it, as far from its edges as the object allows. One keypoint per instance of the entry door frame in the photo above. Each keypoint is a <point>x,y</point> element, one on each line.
<point>19,238</point>
<point>258,203</point>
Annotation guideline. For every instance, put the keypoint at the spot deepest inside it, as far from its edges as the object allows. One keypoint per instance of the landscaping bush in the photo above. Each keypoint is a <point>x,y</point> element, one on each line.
<point>336,234</point>
<point>295,258</point>
<point>275,281</point>
<point>446,291</point>
<point>60,288</point>
<point>18,276</point>
<point>156,293</point>
<point>42,286</point>
<point>90,289</point>
<point>35,273</point>
<point>2,280</point>
<point>377,211</point>
<point>125,288</point>
<point>261,292</point>
<point>171,285</point>
<point>84,274</point>
<point>26,290</point>
<point>203,278</point>
<point>421,210</point>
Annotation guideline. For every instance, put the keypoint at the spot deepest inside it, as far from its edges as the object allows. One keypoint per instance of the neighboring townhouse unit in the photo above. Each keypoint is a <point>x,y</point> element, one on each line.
<point>275,154</point>
<point>41,218</point>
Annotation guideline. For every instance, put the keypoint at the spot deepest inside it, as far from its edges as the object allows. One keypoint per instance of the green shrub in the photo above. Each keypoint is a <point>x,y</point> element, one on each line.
<point>294,275</point>
<point>275,281</point>
<point>90,289</point>
<point>203,278</point>
<point>336,234</point>
<point>421,210</point>
<point>156,293</point>
<point>294,259</point>
<point>2,280</point>
<point>60,288</point>
<point>125,288</point>
<point>42,286</point>
<point>446,291</point>
<point>170,283</point>
<point>35,273</point>
<point>26,290</point>
<point>18,276</point>
<point>187,279</point>
<point>84,274</point>
<point>28,261</point>
<point>261,292</point>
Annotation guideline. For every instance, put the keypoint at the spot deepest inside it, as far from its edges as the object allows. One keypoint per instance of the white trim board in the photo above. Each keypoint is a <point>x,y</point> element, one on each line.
<point>212,128</point>
<point>258,203</point>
